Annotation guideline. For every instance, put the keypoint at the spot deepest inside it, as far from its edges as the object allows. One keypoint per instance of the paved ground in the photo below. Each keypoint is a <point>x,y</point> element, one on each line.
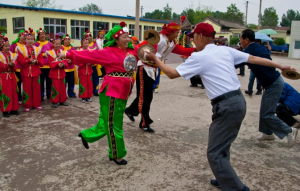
<point>40,150</point>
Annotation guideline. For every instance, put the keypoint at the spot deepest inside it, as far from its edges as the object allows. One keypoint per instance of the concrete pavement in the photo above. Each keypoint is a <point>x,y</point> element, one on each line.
<point>40,150</point>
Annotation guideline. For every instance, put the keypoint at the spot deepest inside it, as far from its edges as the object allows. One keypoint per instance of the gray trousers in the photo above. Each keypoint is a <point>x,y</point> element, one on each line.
<point>269,123</point>
<point>226,122</point>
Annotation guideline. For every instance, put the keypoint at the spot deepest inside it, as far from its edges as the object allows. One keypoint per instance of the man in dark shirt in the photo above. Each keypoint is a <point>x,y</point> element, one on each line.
<point>273,83</point>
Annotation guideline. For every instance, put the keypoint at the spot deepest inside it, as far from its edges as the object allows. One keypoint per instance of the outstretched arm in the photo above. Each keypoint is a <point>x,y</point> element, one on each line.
<point>170,72</point>
<point>267,62</point>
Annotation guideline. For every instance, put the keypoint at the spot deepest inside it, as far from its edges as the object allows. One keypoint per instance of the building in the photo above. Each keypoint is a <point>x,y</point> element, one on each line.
<point>223,28</point>
<point>74,23</point>
<point>294,49</point>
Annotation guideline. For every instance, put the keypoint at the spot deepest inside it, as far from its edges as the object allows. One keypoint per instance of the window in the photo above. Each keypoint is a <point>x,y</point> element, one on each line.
<point>131,30</point>
<point>99,26</point>
<point>19,24</point>
<point>113,24</point>
<point>148,27</point>
<point>297,44</point>
<point>78,28</point>
<point>237,35</point>
<point>159,29</point>
<point>3,27</point>
<point>54,26</point>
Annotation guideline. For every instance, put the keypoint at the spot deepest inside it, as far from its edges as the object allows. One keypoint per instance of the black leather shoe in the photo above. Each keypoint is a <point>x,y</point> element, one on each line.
<point>96,94</point>
<point>147,129</point>
<point>248,92</point>
<point>14,112</point>
<point>215,183</point>
<point>258,93</point>
<point>131,118</point>
<point>6,114</point>
<point>85,144</point>
<point>193,85</point>
<point>122,162</point>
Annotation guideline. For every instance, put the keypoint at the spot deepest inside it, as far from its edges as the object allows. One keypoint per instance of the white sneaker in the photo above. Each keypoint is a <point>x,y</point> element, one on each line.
<point>88,99</point>
<point>20,102</point>
<point>265,137</point>
<point>83,101</point>
<point>291,137</point>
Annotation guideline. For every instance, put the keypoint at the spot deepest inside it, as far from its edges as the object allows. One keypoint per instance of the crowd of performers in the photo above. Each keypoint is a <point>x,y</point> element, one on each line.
<point>38,62</point>
<point>30,70</point>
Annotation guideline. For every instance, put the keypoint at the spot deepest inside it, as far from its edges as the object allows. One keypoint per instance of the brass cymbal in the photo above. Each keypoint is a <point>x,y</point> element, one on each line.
<point>290,74</point>
<point>151,36</point>
<point>145,47</point>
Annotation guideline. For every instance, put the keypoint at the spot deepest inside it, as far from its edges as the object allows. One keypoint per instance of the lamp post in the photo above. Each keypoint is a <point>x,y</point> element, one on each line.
<point>137,19</point>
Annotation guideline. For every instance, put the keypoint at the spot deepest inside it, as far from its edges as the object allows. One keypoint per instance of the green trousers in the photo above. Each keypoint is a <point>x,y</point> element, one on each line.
<point>111,124</point>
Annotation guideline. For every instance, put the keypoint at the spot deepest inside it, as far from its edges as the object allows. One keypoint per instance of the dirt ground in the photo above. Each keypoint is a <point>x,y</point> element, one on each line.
<point>40,150</point>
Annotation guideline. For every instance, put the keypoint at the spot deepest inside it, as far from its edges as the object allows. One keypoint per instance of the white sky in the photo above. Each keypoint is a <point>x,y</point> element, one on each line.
<point>124,8</point>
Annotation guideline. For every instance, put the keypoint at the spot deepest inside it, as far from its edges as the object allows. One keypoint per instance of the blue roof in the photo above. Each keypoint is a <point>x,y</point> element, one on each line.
<point>75,12</point>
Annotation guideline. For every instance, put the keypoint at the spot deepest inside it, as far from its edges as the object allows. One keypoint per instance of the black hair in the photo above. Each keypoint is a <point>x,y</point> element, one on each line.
<point>248,33</point>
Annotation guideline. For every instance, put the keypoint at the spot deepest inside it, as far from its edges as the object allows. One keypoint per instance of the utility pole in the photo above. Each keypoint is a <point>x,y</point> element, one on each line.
<point>137,19</point>
<point>246,13</point>
<point>142,11</point>
<point>259,16</point>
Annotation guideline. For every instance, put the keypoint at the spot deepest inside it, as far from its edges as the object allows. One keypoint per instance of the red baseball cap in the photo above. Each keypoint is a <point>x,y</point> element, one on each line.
<point>205,29</point>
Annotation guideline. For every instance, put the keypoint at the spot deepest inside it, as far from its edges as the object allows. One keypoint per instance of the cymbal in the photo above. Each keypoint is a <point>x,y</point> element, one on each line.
<point>151,36</point>
<point>290,74</point>
<point>145,47</point>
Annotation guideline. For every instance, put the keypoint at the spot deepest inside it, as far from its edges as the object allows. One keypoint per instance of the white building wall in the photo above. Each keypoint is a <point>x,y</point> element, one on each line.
<point>295,37</point>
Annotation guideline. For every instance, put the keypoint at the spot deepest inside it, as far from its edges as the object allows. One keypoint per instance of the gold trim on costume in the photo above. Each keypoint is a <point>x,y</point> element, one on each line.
<point>121,74</point>
<point>111,128</point>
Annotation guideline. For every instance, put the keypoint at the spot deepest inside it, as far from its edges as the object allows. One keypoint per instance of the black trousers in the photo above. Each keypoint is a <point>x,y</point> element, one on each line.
<point>144,95</point>
<point>45,77</point>
<point>195,80</point>
<point>285,114</point>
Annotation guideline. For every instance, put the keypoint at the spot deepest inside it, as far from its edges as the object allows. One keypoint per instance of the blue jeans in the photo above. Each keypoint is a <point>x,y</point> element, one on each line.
<point>251,82</point>
<point>269,123</point>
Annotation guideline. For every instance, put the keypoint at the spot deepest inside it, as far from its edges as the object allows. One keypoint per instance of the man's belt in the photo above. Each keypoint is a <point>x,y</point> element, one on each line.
<point>121,74</point>
<point>225,96</point>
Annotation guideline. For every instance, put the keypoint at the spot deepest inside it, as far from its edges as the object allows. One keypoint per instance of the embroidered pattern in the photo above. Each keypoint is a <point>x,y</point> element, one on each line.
<point>54,92</point>
<point>141,97</point>
<point>111,128</point>
<point>81,88</point>
<point>5,100</point>
<point>25,97</point>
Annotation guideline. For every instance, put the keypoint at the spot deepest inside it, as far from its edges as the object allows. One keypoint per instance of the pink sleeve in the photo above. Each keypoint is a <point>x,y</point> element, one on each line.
<point>94,57</point>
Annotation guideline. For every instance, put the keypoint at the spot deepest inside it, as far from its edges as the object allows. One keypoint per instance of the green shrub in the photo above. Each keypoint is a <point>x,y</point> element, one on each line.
<point>234,41</point>
<point>279,41</point>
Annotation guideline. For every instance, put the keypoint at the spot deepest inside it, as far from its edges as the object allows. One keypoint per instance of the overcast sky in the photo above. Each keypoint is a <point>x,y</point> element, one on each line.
<point>123,8</point>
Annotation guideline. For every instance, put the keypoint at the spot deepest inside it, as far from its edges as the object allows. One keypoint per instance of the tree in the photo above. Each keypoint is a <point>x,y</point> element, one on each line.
<point>190,15</point>
<point>202,12</point>
<point>3,29</point>
<point>167,12</point>
<point>291,15</point>
<point>90,8</point>
<point>234,14</point>
<point>252,26</point>
<point>218,15</point>
<point>270,18</point>
<point>41,3</point>
<point>175,16</point>
<point>156,14</point>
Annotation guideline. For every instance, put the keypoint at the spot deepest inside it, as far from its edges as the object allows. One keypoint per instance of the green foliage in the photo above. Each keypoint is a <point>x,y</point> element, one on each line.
<point>279,41</point>
<point>167,12</point>
<point>90,8</point>
<point>270,18</point>
<point>190,15</point>
<point>234,41</point>
<point>41,3</point>
<point>3,29</point>
<point>218,15</point>
<point>156,14</point>
<point>234,14</point>
<point>176,16</point>
<point>291,15</point>
<point>252,26</point>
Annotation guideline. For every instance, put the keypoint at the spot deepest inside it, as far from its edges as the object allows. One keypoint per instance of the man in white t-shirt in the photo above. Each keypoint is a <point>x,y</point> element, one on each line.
<point>215,65</point>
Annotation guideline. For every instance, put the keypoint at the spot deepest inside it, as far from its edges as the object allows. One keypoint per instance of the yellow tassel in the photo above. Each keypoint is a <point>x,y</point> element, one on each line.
<point>98,67</point>
<point>76,81</point>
